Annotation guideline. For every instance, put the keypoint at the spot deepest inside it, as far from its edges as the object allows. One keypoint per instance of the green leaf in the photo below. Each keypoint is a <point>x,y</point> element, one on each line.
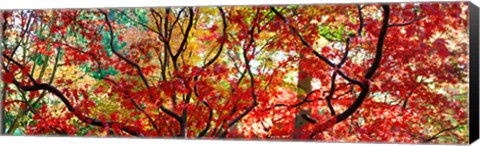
<point>321,111</point>
<point>39,59</point>
<point>17,132</point>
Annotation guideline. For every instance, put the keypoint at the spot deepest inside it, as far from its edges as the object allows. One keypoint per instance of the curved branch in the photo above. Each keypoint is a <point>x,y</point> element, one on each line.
<point>19,65</point>
<point>330,94</point>
<point>131,19</point>
<point>210,116</point>
<point>414,19</point>
<point>224,39</point>
<point>158,23</point>
<point>381,40</point>
<point>22,37</point>
<point>42,95</point>
<point>252,85</point>
<point>176,20</point>
<point>365,84</point>
<point>182,121</point>
<point>139,71</point>
<point>184,41</point>
<point>406,23</point>
<point>360,17</point>
<point>334,76</point>
<point>44,86</point>
<point>112,46</point>
<point>167,35</point>
<point>135,104</point>
<point>440,132</point>
<point>304,42</point>
<point>345,55</point>
<point>308,119</point>
<point>343,75</point>
<point>305,100</point>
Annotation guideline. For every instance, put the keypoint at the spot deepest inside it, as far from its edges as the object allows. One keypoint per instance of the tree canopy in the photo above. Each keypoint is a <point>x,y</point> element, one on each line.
<point>340,73</point>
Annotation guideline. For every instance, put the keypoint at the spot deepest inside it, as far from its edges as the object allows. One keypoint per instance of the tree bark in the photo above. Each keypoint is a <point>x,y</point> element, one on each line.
<point>304,84</point>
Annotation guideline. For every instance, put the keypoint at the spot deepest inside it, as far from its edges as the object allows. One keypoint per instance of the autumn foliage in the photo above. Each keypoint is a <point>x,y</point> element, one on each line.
<point>351,73</point>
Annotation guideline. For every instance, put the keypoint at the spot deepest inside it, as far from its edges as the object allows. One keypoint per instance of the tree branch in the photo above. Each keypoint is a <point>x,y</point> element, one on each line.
<point>305,43</point>
<point>139,71</point>
<point>112,46</point>
<point>59,94</point>
<point>176,20</point>
<point>414,19</point>
<point>360,18</point>
<point>210,116</point>
<point>440,132</point>
<point>305,100</point>
<point>381,40</point>
<point>131,19</point>
<point>345,55</point>
<point>135,104</point>
<point>158,23</point>
<point>330,94</point>
<point>22,37</point>
<point>365,84</point>
<point>252,85</point>
<point>224,39</point>
<point>184,41</point>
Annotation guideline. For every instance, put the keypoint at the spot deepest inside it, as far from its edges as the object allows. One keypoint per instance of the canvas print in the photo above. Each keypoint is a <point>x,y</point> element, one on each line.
<point>369,73</point>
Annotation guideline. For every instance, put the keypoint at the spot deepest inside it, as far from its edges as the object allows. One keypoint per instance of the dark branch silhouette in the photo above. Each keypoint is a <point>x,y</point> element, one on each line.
<point>302,39</point>
<point>139,71</point>
<point>44,86</point>
<point>364,84</point>
<point>440,132</point>
<point>252,83</point>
